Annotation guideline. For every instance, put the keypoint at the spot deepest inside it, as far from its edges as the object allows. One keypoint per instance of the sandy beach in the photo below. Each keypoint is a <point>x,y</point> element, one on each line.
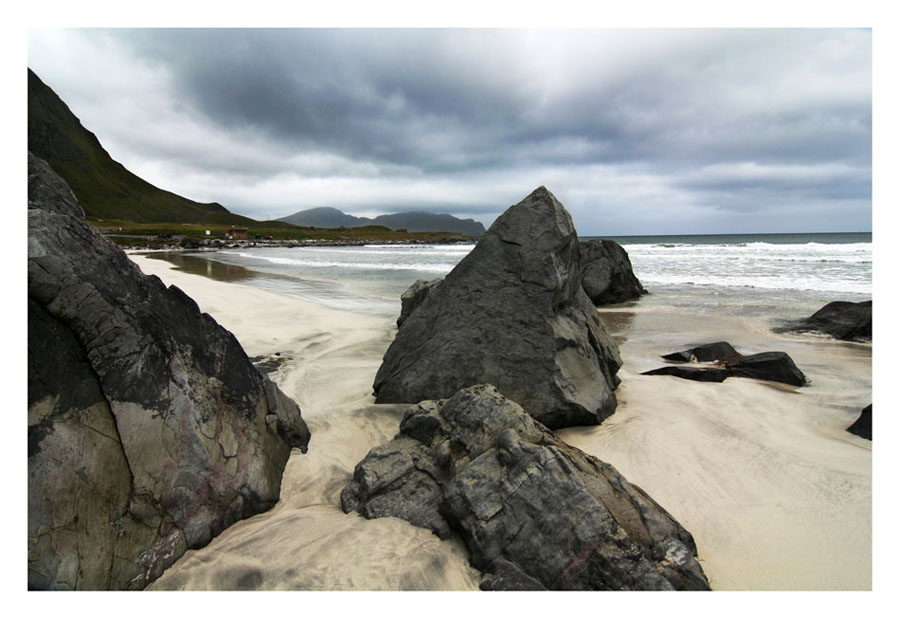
<point>776,494</point>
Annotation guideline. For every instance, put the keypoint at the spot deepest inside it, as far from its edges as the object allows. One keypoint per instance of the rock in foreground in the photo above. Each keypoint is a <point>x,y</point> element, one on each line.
<point>149,430</point>
<point>533,511</point>
<point>512,313</point>
<point>841,320</point>
<point>607,276</point>
<point>530,507</point>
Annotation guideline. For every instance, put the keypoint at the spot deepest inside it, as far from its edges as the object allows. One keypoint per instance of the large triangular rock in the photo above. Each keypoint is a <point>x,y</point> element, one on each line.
<point>512,313</point>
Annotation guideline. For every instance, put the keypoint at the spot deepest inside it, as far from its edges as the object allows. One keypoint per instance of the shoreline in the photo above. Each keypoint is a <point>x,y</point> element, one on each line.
<point>760,475</point>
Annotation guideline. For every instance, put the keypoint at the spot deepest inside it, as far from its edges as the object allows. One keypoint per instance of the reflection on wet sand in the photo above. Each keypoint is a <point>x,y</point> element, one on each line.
<point>200,265</point>
<point>618,323</point>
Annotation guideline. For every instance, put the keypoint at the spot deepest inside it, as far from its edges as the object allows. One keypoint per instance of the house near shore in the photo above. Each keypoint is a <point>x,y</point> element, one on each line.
<point>237,234</point>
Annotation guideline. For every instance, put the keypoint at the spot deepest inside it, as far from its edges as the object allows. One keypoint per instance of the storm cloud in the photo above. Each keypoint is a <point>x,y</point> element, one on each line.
<point>636,131</point>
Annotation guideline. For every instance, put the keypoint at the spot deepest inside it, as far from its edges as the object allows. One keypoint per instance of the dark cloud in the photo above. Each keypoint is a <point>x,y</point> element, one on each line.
<point>468,121</point>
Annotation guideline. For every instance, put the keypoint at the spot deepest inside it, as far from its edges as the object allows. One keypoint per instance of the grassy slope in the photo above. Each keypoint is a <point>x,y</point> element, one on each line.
<point>104,188</point>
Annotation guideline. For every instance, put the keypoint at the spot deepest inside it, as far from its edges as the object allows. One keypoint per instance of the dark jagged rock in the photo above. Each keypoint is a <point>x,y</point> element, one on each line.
<point>533,511</point>
<point>774,366</point>
<point>607,275</point>
<point>840,319</point>
<point>706,375</point>
<point>512,313</point>
<point>863,425</point>
<point>149,430</point>
<point>717,351</point>
<point>414,296</point>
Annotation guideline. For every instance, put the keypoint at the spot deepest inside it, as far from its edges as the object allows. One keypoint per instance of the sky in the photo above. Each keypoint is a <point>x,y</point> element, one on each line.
<point>640,131</point>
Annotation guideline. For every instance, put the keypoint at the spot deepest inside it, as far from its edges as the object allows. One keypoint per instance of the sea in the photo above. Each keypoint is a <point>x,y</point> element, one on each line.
<point>768,279</point>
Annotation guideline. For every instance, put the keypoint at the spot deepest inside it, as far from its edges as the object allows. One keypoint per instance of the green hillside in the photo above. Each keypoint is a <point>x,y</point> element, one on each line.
<point>104,188</point>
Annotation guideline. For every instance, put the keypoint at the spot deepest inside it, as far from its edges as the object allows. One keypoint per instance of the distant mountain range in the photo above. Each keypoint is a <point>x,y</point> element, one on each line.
<point>103,186</point>
<point>412,221</point>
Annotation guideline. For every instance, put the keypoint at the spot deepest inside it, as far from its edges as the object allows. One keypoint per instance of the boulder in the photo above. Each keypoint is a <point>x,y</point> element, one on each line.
<point>414,296</point>
<point>717,351</point>
<point>512,313</point>
<point>606,273</point>
<point>149,430</point>
<point>774,366</point>
<point>863,425</point>
<point>842,320</point>
<point>533,511</point>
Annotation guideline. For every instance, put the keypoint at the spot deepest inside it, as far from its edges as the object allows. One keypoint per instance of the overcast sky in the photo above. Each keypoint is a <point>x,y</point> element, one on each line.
<point>635,131</point>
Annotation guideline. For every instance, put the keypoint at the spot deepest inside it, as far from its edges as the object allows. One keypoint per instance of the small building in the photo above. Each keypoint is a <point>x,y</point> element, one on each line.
<point>237,234</point>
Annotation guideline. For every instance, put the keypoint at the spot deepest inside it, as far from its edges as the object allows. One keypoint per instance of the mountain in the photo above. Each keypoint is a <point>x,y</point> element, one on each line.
<point>411,221</point>
<point>325,217</point>
<point>104,187</point>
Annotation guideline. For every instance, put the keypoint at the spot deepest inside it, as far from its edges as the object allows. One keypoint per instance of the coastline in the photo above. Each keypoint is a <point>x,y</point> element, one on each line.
<point>774,491</point>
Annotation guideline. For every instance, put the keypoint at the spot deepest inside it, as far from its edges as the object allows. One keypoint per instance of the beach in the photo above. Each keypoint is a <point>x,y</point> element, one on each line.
<point>776,493</point>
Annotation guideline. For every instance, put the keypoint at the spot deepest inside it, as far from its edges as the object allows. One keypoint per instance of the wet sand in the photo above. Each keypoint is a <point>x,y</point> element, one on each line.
<point>776,494</point>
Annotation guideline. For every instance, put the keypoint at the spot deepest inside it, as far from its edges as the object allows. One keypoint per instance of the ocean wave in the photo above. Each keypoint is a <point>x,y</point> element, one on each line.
<point>372,266</point>
<point>770,283</point>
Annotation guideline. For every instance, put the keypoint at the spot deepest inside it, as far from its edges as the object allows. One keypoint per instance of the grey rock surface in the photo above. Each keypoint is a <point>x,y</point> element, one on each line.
<point>534,512</point>
<point>862,427</point>
<point>413,297</point>
<point>717,351</point>
<point>774,366</point>
<point>512,313</point>
<point>607,275</point>
<point>149,430</point>
<point>701,374</point>
<point>842,320</point>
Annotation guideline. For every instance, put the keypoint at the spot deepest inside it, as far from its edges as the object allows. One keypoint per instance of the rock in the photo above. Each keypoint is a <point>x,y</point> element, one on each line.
<point>512,313</point>
<point>534,512</point>
<point>149,430</point>
<point>717,351</point>
<point>863,425</point>
<point>414,296</point>
<point>774,366</point>
<point>840,319</point>
<point>706,375</point>
<point>607,276</point>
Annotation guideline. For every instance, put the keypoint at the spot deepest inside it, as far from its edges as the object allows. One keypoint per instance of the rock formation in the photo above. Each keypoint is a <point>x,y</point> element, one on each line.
<point>534,512</point>
<point>862,427</point>
<point>840,319</point>
<point>717,351</point>
<point>413,297</point>
<point>512,313</point>
<point>149,430</point>
<point>773,366</point>
<point>607,276</point>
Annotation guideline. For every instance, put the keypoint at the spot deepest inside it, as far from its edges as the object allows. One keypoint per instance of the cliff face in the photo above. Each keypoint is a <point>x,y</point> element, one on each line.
<point>513,314</point>
<point>149,430</point>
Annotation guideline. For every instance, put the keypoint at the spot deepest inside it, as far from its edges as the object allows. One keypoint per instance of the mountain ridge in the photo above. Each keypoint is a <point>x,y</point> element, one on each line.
<point>411,221</point>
